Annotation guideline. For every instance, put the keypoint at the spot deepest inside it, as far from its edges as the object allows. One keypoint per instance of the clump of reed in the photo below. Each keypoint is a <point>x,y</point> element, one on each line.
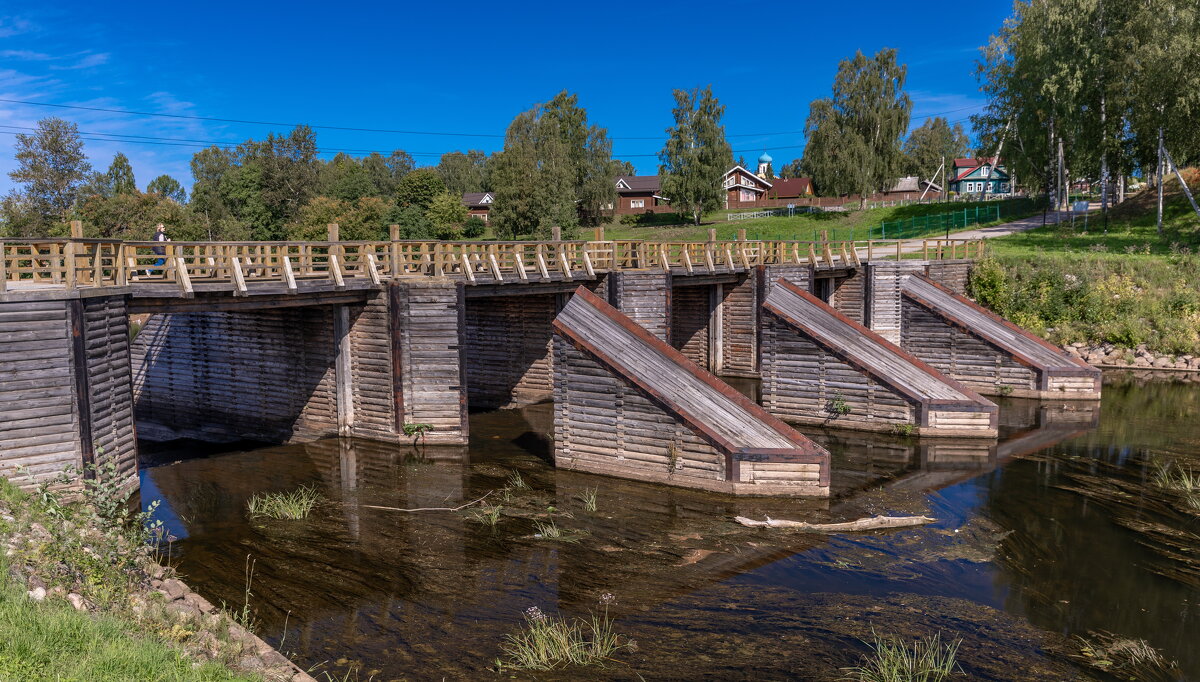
<point>1124,655</point>
<point>1172,476</point>
<point>588,499</point>
<point>487,515</point>
<point>546,642</point>
<point>293,505</point>
<point>894,660</point>
<point>549,530</point>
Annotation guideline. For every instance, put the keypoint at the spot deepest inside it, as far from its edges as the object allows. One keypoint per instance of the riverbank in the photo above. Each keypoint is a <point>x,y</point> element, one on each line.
<point>83,597</point>
<point>1122,296</point>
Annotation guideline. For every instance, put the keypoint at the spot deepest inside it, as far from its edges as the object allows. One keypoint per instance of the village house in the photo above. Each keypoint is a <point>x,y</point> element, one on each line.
<point>640,194</point>
<point>479,204</point>
<point>743,188</point>
<point>790,188</point>
<point>976,176</point>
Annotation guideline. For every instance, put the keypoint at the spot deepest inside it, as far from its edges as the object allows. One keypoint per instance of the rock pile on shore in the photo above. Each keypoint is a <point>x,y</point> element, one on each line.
<point>1108,355</point>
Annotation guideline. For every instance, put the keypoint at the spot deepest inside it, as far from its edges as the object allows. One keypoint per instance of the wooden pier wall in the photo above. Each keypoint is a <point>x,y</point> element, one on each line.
<point>64,389</point>
<point>429,337</point>
<point>508,349</point>
<point>223,376</point>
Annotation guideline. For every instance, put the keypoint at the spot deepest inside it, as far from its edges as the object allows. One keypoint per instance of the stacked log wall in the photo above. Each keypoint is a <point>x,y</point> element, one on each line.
<point>952,274</point>
<point>961,355</point>
<point>603,424</point>
<point>262,374</point>
<point>372,385</point>
<point>691,315</point>
<point>429,336</point>
<point>803,382</point>
<point>109,387</point>
<point>850,296</point>
<point>39,435</point>
<point>739,333</point>
<point>645,297</point>
<point>884,284</point>
<point>508,349</point>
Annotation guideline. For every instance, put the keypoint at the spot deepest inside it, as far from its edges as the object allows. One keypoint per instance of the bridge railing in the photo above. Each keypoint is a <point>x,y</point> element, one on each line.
<point>98,263</point>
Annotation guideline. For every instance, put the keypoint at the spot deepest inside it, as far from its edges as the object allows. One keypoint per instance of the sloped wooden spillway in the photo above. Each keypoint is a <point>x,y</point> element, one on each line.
<point>820,367</point>
<point>986,351</point>
<point>627,404</point>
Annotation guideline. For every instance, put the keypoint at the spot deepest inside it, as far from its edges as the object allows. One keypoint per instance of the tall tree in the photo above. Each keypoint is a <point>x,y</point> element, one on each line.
<point>589,152</point>
<point>169,187</point>
<point>52,166</point>
<point>854,136</point>
<point>385,172</point>
<point>696,154</point>
<point>935,140</point>
<point>463,172</point>
<point>418,188</point>
<point>791,169</point>
<point>120,175</point>
<point>446,213</point>
<point>533,179</point>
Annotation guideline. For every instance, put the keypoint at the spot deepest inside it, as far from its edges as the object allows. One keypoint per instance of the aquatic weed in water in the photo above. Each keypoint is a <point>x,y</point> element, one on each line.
<point>293,505</point>
<point>486,515</point>
<point>893,660</point>
<point>588,498</point>
<point>547,642</point>
<point>515,482</point>
<point>1172,476</point>
<point>549,530</point>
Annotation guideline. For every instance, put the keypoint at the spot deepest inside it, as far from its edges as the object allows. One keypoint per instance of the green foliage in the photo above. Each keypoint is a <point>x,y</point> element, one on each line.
<point>549,642</point>
<point>534,179</point>
<point>854,137</point>
<point>293,505</point>
<point>361,219</point>
<point>446,213</point>
<point>905,429</point>
<point>589,154</point>
<point>463,173</point>
<point>792,169</point>
<point>931,143</point>
<point>169,187</point>
<point>120,175</point>
<point>412,221</point>
<point>696,154</point>
<point>487,515</point>
<point>419,188</point>
<point>474,227</point>
<point>588,499</point>
<point>838,407</point>
<point>51,166</point>
<point>417,431</point>
<point>1178,479</point>
<point>893,660</point>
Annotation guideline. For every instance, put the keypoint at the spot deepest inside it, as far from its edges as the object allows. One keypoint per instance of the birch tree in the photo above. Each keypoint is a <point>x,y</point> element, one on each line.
<point>696,154</point>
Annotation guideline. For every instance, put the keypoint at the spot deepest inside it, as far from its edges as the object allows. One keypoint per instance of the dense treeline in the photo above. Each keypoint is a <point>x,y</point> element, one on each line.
<point>1085,88</point>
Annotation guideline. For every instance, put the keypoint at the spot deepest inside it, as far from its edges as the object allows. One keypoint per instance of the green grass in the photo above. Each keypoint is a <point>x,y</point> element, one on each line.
<point>1127,286</point>
<point>547,642</point>
<point>859,225</point>
<point>294,505</point>
<point>52,641</point>
<point>1180,480</point>
<point>893,660</point>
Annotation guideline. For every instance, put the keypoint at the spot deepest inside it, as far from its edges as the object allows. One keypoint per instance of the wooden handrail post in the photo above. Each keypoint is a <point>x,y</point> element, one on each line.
<point>69,263</point>
<point>556,234</point>
<point>712,234</point>
<point>599,234</point>
<point>741,234</point>
<point>394,249</point>
<point>76,229</point>
<point>333,230</point>
<point>3,270</point>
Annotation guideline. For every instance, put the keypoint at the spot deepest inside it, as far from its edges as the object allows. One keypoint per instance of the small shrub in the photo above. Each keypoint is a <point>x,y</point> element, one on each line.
<point>904,429</point>
<point>838,406</point>
<point>1004,389</point>
<point>294,505</point>
<point>486,515</point>
<point>417,431</point>
<point>474,227</point>
<point>892,660</point>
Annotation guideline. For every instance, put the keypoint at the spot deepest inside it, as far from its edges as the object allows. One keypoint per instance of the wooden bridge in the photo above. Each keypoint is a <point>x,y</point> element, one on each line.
<point>287,340</point>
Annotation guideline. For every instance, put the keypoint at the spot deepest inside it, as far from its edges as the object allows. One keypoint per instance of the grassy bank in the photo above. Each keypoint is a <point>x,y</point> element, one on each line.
<point>1127,285</point>
<point>76,603</point>
<point>911,220</point>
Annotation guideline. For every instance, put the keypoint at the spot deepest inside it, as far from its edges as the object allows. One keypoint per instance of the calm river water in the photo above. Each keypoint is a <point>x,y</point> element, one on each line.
<point>1056,532</point>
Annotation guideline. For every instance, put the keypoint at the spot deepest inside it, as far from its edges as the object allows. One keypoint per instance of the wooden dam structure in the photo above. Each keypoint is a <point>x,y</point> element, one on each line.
<point>298,340</point>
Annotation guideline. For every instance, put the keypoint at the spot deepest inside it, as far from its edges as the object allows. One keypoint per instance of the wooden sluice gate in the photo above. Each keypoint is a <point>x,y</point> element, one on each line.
<point>627,404</point>
<point>820,367</point>
<point>985,351</point>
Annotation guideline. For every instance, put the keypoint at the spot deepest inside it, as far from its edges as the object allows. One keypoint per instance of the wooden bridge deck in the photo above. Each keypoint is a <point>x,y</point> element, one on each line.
<point>42,267</point>
<point>662,371</point>
<point>974,318</point>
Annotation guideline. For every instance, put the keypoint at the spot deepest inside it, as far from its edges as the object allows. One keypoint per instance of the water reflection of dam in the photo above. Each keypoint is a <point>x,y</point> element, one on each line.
<point>361,569</point>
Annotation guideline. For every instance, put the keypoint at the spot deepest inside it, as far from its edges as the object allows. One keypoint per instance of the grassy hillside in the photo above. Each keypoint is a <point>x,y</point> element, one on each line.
<point>807,226</point>
<point>1127,286</point>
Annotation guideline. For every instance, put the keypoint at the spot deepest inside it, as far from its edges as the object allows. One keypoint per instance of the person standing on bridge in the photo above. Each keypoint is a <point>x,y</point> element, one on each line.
<point>160,235</point>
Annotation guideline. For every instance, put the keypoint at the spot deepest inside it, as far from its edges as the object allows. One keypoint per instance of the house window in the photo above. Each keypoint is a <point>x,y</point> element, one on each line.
<point>637,203</point>
<point>747,195</point>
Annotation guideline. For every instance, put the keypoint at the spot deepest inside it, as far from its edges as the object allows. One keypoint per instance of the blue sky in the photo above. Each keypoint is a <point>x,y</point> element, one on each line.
<point>458,68</point>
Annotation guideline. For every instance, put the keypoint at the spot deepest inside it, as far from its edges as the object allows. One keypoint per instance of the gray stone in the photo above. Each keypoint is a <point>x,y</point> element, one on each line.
<point>249,663</point>
<point>183,610</point>
<point>37,593</point>
<point>1141,362</point>
<point>174,589</point>
<point>157,572</point>
<point>77,601</point>
<point>199,602</point>
<point>1164,362</point>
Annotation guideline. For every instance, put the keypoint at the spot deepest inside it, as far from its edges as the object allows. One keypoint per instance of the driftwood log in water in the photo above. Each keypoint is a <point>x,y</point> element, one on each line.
<point>869,523</point>
<point>423,509</point>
